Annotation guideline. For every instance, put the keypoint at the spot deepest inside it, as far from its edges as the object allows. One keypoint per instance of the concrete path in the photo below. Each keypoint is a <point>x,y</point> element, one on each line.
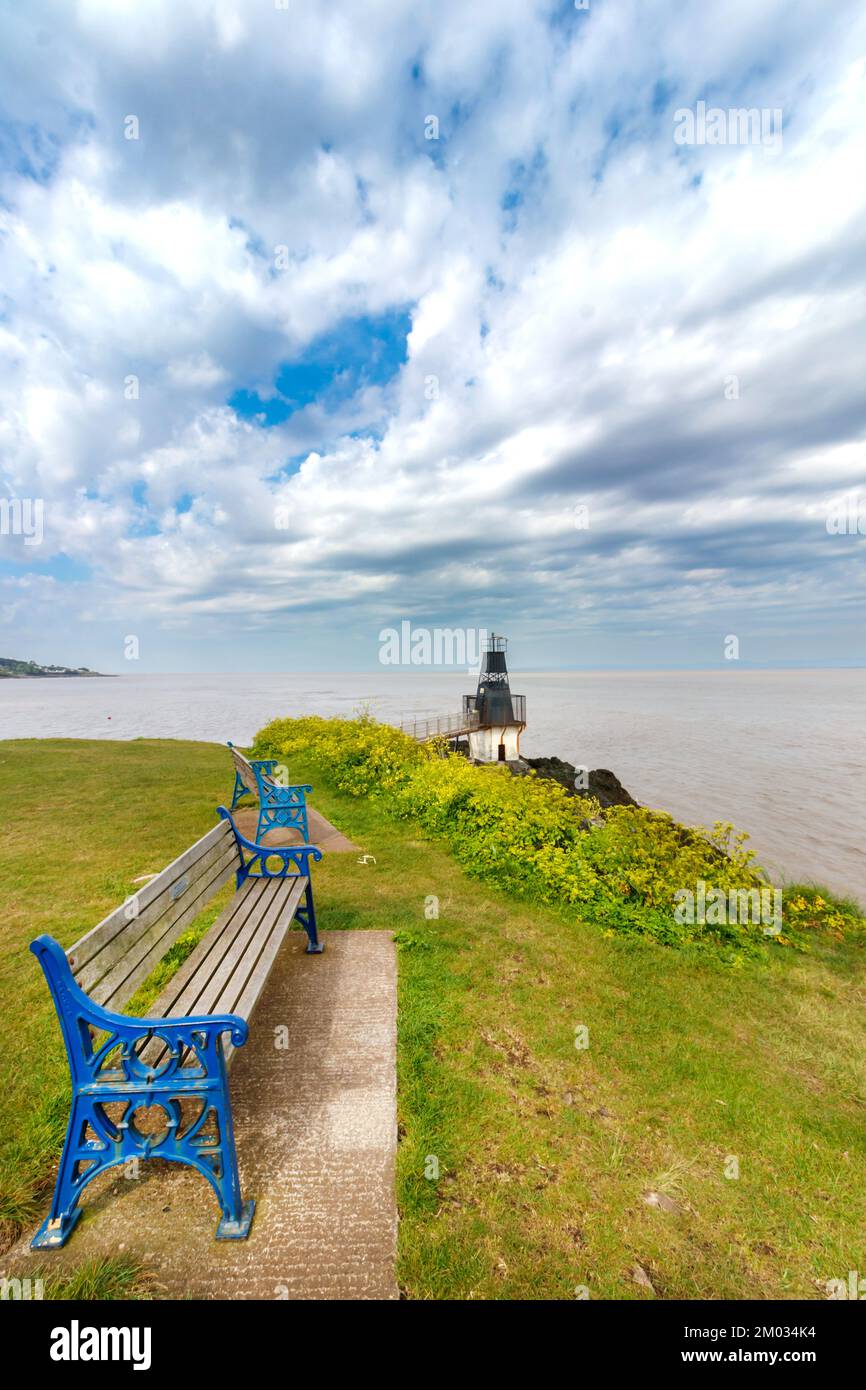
<point>329,839</point>
<point>316,1131</point>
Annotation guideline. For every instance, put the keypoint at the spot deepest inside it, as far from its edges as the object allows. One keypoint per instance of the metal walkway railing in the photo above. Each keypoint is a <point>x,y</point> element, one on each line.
<point>452,725</point>
<point>441,726</point>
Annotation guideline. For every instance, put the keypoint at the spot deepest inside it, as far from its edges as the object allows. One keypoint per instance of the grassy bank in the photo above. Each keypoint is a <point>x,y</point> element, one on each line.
<point>606,1167</point>
<point>631,869</point>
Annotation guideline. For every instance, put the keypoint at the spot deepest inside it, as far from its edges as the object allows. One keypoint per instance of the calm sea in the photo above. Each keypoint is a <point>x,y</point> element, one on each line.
<point>782,754</point>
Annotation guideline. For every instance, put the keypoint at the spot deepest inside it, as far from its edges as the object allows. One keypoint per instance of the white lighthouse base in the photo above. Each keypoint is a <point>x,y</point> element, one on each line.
<point>495,744</point>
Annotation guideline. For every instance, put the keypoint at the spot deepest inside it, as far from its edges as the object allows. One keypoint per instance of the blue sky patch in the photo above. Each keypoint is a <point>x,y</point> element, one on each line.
<point>359,352</point>
<point>524,183</point>
<point>60,567</point>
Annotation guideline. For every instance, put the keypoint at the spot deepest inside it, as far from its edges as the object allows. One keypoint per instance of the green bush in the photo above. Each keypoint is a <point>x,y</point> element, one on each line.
<point>621,867</point>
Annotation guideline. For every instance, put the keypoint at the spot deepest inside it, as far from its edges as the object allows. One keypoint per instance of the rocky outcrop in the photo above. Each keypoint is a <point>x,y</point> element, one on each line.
<point>603,785</point>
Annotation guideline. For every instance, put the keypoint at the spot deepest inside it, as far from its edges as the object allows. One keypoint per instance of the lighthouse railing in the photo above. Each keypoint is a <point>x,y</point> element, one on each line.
<point>518,708</point>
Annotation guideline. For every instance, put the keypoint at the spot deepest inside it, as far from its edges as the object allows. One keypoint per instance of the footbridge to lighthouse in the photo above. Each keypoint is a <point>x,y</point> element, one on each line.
<point>460,725</point>
<point>439,726</point>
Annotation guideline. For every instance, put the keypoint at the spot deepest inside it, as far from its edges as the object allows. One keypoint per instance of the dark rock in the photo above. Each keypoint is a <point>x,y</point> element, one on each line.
<point>607,789</point>
<point>603,785</point>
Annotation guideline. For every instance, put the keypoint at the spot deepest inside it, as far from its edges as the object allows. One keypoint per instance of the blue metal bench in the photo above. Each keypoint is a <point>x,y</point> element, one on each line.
<point>280,807</point>
<point>176,1060</point>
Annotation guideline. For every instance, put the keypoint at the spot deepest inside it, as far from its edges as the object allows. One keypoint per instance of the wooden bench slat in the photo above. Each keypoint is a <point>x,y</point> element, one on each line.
<point>164,909</point>
<point>247,774</point>
<point>229,968</point>
<point>258,977</point>
<point>225,985</point>
<point>279,917</point>
<point>211,988</point>
<point>134,966</point>
<point>180,994</point>
<point>245,771</point>
<point>83,951</point>
<point>183,989</point>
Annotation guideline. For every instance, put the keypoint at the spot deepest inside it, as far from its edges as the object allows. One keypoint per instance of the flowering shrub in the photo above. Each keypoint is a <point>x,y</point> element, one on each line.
<point>622,867</point>
<point>807,910</point>
<point>363,757</point>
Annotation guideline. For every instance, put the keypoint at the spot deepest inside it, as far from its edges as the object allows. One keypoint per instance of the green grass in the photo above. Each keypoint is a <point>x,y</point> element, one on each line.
<point>95,1280</point>
<point>544,1152</point>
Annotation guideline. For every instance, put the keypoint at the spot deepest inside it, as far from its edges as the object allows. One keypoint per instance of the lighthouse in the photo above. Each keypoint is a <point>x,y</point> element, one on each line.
<point>493,716</point>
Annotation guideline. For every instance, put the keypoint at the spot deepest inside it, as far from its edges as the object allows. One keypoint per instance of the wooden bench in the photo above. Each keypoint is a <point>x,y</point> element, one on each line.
<point>175,1059</point>
<point>280,807</point>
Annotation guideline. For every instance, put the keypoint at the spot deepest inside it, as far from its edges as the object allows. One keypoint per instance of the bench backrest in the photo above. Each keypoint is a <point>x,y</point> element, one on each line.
<point>116,957</point>
<point>246,773</point>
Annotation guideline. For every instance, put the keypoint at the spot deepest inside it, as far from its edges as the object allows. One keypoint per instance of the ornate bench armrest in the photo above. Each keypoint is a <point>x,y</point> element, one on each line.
<point>78,1013</point>
<point>212,1024</point>
<point>299,855</point>
<point>254,858</point>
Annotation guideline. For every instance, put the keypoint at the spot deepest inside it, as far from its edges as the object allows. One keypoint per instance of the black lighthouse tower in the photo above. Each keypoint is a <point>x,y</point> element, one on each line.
<point>495,716</point>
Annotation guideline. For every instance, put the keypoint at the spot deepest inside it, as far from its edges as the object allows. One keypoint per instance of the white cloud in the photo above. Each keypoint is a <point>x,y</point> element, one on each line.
<point>581,291</point>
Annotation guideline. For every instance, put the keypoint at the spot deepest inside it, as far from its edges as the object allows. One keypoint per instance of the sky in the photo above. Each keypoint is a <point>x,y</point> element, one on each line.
<point>319,319</point>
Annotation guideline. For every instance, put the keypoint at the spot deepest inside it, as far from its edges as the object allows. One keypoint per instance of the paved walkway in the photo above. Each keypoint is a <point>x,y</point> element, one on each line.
<point>316,1133</point>
<point>329,839</point>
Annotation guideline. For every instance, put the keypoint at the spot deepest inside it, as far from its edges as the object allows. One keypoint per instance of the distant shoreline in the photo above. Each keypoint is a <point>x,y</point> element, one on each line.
<point>12,669</point>
<point>56,675</point>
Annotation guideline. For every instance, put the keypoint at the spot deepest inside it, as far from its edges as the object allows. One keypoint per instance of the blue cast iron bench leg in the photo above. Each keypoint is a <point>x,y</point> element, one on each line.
<point>134,1084</point>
